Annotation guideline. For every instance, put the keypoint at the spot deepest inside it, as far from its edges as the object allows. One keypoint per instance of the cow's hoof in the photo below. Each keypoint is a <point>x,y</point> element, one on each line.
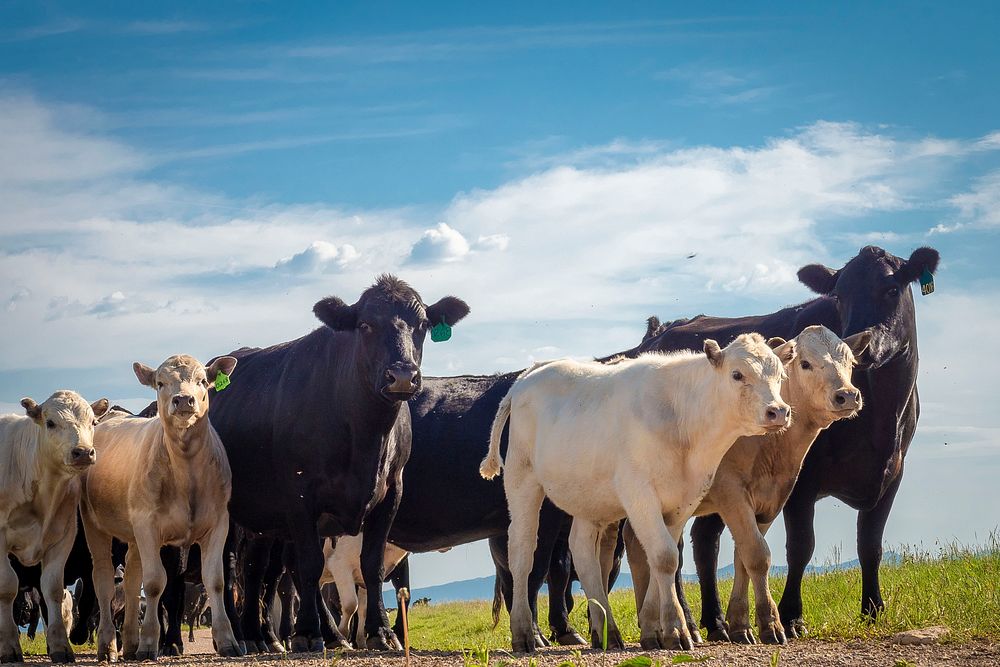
<point>719,635</point>
<point>276,647</point>
<point>107,655</point>
<point>80,634</point>
<point>146,654</point>
<point>383,640</point>
<point>696,636</point>
<point>796,628</point>
<point>172,649</point>
<point>303,644</point>
<point>773,635</point>
<point>335,644</point>
<point>230,651</point>
<point>570,638</point>
<point>649,643</point>
<point>129,654</point>
<point>675,640</point>
<point>523,643</point>
<point>60,657</point>
<point>742,636</point>
<point>540,641</point>
<point>11,651</point>
<point>615,640</point>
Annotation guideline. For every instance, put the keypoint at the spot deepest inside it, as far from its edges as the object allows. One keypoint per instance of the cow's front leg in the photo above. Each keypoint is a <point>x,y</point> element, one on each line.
<point>53,588</point>
<point>738,613</point>
<point>154,580</point>
<point>306,566</point>
<point>212,556</point>
<point>10,642</point>
<point>871,527</point>
<point>378,635</point>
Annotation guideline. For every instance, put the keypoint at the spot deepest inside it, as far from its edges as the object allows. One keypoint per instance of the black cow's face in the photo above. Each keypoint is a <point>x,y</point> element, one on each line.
<point>872,291</point>
<point>389,323</point>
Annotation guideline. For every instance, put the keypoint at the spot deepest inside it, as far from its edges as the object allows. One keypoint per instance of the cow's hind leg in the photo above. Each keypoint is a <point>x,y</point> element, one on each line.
<point>212,555</point>
<point>871,526</point>
<point>585,540</point>
<point>306,566</point>
<point>103,574</point>
<point>705,533</point>
<point>154,580</point>
<point>800,542</point>
<point>524,498</point>
<point>10,642</point>
<point>693,628</point>
<point>272,574</point>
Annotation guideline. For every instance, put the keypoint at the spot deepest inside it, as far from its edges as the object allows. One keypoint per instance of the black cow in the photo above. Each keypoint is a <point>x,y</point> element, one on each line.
<point>446,502</point>
<point>317,431</point>
<point>859,461</point>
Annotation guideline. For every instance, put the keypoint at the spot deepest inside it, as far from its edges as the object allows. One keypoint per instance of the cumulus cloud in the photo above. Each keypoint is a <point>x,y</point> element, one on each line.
<point>319,257</point>
<point>440,244</point>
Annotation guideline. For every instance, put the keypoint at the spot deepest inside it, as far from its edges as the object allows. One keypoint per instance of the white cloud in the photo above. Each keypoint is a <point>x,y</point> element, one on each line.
<point>319,257</point>
<point>978,207</point>
<point>440,244</point>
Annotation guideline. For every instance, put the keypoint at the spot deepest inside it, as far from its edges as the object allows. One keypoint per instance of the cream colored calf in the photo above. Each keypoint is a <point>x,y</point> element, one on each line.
<point>641,439</point>
<point>42,456</point>
<point>758,473</point>
<point>160,481</point>
<point>342,568</point>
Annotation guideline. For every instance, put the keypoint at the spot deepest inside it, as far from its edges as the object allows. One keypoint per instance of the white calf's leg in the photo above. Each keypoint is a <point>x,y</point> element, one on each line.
<point>212,575</point>
<point>585,545</point>
<point>660,545</point>
<point>524,498</point>
<point>638,564</point>
<point>757,561</point>
<point>53,590</point>
<point>738,611</point>
<point>362,608</point>
<point>10,641</point>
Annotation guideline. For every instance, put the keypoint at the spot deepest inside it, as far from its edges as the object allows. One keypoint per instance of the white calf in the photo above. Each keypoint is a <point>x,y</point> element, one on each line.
<point>641,439</point>
<point>42,457</point>
<point>342,568</point>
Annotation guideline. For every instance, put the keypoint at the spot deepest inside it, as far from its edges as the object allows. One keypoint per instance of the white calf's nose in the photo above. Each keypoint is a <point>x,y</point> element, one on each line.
<point>776,415</point>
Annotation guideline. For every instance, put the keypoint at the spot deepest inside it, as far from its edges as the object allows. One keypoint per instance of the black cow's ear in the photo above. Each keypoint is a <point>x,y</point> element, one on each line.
<point>336,314</point>
<point>820,279</point>
<point>449,310</point>
<point>922,259</point>
<point>32,409</point>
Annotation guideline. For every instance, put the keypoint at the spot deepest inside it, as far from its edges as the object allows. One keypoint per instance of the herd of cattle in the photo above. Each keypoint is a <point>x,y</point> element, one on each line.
<point>330,458</point>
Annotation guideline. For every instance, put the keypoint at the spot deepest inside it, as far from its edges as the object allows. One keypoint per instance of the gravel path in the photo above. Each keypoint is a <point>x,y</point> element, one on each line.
<point>802,652</point>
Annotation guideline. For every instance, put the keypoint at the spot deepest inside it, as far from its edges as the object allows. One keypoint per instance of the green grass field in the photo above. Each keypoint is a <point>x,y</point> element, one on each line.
<point>956,586</point>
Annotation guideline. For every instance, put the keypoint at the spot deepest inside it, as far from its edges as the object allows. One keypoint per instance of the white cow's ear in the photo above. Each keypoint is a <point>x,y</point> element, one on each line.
<point>785,350</point>
<point>100,407</point>
<point>859,342</point>
<point>713,352</point>
<point>224,364</point>
<point>146,375</point>
<point>32,409</point>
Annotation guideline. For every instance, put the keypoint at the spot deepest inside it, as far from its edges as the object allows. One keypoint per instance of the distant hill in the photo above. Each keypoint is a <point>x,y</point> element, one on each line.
<point>482,587</point>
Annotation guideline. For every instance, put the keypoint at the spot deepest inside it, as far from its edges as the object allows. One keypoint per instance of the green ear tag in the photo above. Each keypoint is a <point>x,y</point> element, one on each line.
<point>926,282</point>
<point>221,381</point>
<point>440,332</point>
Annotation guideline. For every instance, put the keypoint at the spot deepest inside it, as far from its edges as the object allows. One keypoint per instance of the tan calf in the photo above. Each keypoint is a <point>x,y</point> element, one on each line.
<point>159,481</point>
<point>42,456</point>
<point>757,474</point>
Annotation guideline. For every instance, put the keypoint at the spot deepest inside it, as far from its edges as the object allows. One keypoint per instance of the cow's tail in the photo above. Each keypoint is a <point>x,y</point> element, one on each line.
<point>491,465</point>
<point>497,601</point>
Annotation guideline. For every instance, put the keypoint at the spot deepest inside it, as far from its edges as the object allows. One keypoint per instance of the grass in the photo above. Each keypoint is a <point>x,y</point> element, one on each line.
<point>954,586</point>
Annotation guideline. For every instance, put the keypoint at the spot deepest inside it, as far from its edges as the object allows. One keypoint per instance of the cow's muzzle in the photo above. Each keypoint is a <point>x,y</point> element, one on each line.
<point>402,382</point>
<point>82,457</point>
<point>777,417</point>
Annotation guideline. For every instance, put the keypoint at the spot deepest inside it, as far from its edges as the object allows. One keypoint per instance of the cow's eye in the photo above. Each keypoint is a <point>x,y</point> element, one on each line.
<point>204,383</point>
<point>49,423</point>
<point>892,292</point>
<point>805,365</point>
<point>738,376</point>
<point>364,326</point>
<point>159,385</point>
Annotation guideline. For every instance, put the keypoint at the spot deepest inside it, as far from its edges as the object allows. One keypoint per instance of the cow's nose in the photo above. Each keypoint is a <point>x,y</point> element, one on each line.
<point>847,398</point>
<point>183,402</point>
<point>776,415</point>
<point>82,455</point>
<point>402,379</point>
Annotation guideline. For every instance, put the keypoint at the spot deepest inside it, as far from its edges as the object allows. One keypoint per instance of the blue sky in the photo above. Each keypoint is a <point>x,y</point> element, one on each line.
<point>192,178</point>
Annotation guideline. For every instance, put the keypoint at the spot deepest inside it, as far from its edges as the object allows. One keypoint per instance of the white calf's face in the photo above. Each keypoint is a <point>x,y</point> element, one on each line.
<point>181,385</point>
<point>66,429</point>
<point>751,381</point>
<point>820,378</point>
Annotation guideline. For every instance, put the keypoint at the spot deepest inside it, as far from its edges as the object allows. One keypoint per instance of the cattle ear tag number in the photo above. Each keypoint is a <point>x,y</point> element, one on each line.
<point>440,332</point>
<point>221,381</point>
<point>926,282</point>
